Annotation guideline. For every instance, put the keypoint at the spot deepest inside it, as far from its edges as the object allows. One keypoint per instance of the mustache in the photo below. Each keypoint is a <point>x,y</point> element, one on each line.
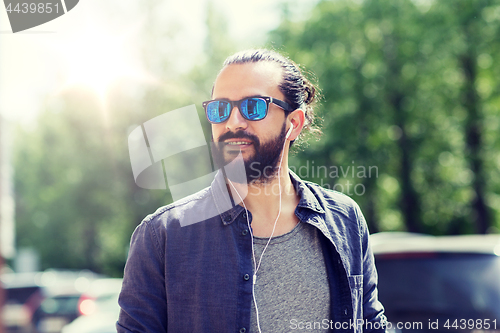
<point>239,135</point>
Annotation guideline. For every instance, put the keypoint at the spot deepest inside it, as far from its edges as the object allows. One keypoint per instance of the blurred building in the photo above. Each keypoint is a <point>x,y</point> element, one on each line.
<point>7,228</point>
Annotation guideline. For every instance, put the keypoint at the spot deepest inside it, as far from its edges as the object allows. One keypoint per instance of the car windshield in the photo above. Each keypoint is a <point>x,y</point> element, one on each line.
<point>20,294</point>
<point>423,286</point>
<point>67,304</point>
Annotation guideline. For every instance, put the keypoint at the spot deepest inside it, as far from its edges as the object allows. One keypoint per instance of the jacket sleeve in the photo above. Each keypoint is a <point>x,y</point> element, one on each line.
<point>373,310</point>
<point>142,299</point>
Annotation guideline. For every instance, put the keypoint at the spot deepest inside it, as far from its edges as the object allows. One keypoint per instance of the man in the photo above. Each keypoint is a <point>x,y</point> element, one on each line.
<point>288,255</point>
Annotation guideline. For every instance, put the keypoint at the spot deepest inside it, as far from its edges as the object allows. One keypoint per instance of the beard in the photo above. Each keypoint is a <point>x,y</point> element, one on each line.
<point>260,168</point>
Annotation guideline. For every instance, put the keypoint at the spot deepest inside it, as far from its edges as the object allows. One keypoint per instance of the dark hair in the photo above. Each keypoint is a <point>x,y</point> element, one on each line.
<point>299,92</point>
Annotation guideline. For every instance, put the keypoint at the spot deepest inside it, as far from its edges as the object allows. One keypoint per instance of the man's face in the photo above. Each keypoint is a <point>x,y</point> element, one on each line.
<point>260,142</point>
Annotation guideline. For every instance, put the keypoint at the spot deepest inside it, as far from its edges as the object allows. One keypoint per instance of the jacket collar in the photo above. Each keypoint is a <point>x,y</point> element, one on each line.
<point>307,198</point>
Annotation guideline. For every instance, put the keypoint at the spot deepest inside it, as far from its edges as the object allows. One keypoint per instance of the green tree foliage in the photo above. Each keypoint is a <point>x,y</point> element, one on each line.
<point>65,185</point>
<point>406,87</point>
<point>76,200</point>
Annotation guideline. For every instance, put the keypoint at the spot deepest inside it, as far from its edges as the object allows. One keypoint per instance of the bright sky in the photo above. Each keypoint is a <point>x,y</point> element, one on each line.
<point>98,42</point>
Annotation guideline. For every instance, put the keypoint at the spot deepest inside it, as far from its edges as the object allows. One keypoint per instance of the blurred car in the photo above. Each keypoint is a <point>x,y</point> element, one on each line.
<point>63,290</point>
<point>43,302</point>
<point>58,310</point>
<point>23,297</point>
<point>439,283</point>
<point>99,308</point>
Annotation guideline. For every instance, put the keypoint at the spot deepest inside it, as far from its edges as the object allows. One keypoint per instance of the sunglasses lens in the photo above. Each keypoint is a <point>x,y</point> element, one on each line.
<point>254,108</point>
<point>218,111</point>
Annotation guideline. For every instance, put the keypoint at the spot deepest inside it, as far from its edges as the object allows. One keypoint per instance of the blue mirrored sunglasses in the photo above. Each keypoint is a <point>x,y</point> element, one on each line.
<point>251,108</point>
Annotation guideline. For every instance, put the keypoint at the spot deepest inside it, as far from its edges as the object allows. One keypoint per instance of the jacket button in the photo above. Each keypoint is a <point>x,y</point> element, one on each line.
<point>243,330</point>
<point>244,215</point>
<point>246,277</point>
<point>227,218</point>
<point>244,232</point>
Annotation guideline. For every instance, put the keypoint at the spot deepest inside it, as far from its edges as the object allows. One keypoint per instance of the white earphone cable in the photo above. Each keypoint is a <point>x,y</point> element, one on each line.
<point>257,266</point>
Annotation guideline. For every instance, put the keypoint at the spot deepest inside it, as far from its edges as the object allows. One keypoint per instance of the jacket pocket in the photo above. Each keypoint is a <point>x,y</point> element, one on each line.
<point>356,285</point>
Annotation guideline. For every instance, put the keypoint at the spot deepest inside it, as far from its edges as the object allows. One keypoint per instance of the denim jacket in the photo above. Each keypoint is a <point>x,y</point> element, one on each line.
<point>197,277</point>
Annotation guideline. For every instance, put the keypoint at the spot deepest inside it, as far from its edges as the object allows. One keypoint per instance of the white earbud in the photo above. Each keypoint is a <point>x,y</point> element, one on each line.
<point>289,132</point>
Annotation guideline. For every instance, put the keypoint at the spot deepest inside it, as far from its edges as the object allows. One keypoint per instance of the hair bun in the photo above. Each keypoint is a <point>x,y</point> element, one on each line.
<point>310,92</point>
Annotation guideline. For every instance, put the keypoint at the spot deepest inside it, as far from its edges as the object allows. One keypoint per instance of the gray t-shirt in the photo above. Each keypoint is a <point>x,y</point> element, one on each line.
<point>291,289</point>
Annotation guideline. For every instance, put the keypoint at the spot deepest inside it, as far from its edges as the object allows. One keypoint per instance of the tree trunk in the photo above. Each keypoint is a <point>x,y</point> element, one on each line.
<point>409,200</point>
<point>474,142</point>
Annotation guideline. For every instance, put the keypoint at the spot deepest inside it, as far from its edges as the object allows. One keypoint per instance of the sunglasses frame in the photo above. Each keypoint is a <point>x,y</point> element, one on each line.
<point>285,106</point>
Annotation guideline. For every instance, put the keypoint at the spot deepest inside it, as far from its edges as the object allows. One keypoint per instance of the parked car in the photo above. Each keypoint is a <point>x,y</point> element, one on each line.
<point>23,297</point>
<point>99,308</point>
<point>63,290</point>
<point>439,283</point>
<point>43,302</point>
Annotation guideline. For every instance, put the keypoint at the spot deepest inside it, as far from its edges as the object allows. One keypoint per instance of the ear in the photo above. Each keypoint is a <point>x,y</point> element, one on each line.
<point>297,121</point>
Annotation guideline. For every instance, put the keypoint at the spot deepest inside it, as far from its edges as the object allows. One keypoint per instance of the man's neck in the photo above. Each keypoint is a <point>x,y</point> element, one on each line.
<point>266,200</point>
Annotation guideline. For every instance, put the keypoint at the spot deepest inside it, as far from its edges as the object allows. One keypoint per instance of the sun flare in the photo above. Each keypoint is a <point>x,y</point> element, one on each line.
<point>97,59</point>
